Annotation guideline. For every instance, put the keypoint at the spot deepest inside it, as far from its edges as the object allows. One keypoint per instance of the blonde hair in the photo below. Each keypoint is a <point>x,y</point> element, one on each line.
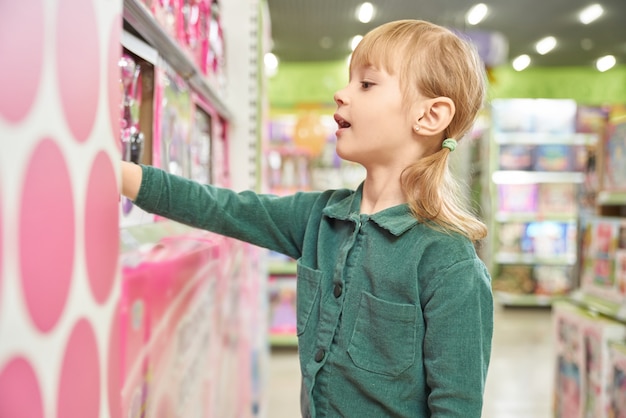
<point>432,61</point>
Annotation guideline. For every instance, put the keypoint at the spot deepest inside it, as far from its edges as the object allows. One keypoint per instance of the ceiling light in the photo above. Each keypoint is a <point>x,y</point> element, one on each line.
<point>355,41</point>
<point>476,14</point>
<point>271,64</point>
<point>520,63</point>
<point>326,42</point>
<point>546,45</point>
<point>605,63</point>
<point>590,13</point>
<point>586,44</point>
<point>365,12</point>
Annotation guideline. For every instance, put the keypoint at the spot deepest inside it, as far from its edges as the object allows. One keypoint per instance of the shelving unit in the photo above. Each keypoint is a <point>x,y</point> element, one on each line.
<point>590,324</point>
<point>537,168</point>
<point>192,302</point>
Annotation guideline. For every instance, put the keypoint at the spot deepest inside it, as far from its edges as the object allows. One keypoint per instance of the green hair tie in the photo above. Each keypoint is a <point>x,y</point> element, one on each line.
<point>449,143</point>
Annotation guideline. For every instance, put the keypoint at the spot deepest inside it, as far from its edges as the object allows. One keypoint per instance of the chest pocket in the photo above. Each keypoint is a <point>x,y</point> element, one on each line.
<point>383,340</point>
<point>307,290</point>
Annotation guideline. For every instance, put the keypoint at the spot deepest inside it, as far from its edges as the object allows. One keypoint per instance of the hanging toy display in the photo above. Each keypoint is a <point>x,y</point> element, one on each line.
<point>130,135</point>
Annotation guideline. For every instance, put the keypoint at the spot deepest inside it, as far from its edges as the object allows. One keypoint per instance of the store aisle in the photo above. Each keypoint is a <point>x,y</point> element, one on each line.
<point>519,384</point>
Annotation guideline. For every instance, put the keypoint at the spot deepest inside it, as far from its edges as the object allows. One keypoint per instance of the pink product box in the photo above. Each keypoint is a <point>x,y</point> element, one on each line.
<point>603,271</point>
<point>569,385</point>
<point>168,318</point>
<point>615,155</point>
<point>517,197</point>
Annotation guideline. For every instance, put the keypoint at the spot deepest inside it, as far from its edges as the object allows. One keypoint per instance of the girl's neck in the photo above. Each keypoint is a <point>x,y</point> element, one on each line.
<point>380,193</point>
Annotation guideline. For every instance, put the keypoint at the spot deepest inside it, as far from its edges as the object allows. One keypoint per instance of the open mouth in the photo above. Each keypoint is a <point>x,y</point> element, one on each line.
<point>341,122</point>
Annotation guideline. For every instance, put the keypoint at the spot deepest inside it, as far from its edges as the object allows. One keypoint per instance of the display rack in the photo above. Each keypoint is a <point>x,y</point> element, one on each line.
<point>192,310</point>
<point>590,323</point>
<point>537,167</point>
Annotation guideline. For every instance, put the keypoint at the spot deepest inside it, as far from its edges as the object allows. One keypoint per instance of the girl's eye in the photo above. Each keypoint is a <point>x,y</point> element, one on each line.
<point>366,84</point>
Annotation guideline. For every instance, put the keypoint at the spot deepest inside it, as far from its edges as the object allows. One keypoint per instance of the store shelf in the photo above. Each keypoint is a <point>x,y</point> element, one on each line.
<point>142,20</point>
<point>611,198</point>
<point>283,340</point>
<point>523,300</point>
<point>533,177</point>
<point>507,217</point>
<point>508,258</point>
<point>541,138</point>
<point>282,268</point>
<point>599,305</point>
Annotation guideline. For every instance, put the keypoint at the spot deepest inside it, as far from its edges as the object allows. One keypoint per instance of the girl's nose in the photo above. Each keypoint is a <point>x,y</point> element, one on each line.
<point>339,97</point>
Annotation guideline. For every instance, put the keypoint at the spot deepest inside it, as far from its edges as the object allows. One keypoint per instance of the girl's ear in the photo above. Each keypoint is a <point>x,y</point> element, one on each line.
<point>434,115</point>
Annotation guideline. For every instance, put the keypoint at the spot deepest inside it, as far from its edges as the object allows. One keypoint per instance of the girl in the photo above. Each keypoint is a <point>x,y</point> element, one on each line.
<point>395,311</point>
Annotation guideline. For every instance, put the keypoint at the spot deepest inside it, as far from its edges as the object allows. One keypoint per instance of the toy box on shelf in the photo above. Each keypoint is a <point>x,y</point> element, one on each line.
<point>616,388</point>
<point>583,371</point>
<point>538,162</point>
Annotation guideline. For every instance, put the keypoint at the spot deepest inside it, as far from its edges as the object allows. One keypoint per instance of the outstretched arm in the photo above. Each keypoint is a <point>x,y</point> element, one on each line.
<point>131,179</point>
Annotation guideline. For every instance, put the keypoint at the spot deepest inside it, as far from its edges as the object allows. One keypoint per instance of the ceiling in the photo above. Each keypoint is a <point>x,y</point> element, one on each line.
<point>300,27</point>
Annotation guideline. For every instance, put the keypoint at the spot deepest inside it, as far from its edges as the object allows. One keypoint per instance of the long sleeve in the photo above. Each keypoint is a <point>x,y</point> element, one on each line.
<point>268,221</point>
<point>457,343</point>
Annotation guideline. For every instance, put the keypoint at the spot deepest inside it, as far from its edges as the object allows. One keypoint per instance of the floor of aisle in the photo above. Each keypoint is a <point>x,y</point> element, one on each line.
<point>519,383</point>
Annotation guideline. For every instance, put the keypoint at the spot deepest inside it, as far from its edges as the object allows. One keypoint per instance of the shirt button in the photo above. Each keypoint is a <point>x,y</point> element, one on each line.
<point>337,290</point>
<point>319,356</point>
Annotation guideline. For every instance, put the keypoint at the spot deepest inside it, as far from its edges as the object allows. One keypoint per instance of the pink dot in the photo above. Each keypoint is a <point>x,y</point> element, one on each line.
<point>113,71</point>
<point>79,385</point>
<point>114,367</point>
<point>102,227</point>
<point>20,395</point>
<point>78,64</point>
<point>21,29</point>
<point>46,235</point>
<point>1,235</point>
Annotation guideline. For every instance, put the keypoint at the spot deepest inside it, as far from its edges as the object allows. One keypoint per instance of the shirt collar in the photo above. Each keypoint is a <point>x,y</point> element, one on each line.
<point>397,219</point>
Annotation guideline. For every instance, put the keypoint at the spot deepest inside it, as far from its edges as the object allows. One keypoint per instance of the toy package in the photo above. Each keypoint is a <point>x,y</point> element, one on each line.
<point>516,157</point>
<point>553,157</point>
<point>597,333</point>
<point>518,197</point>
<point>570,361</point>
<point>604,251</point>
<point>557,198</point>
<point>615,161</point>
<point>616,390</point>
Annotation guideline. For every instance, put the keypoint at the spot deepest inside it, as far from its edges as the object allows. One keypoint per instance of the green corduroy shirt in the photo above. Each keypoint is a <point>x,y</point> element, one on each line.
<point>395,319</point>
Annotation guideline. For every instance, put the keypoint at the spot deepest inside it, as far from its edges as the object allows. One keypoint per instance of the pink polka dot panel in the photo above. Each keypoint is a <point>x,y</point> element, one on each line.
<point>46,235</point>
<point>79,384</point>
<point>20,72</point>
<point>20,395</point>
<point>114,381</point>
<point>1,242</point>
<point>102,227</point>
<point>78,65</point>
<point>114,88</point>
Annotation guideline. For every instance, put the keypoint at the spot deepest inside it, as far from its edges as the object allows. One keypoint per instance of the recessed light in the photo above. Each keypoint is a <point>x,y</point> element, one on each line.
<point>355,41</point>
<point>586,44</point>
<point>326,42</point>
<point>476,14</point>
<point>365,12</point>
<point>520,63</point>
<point>271,64</point>
<point>590,13</point>
<point>605,63</point>
<point>546,45</point>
